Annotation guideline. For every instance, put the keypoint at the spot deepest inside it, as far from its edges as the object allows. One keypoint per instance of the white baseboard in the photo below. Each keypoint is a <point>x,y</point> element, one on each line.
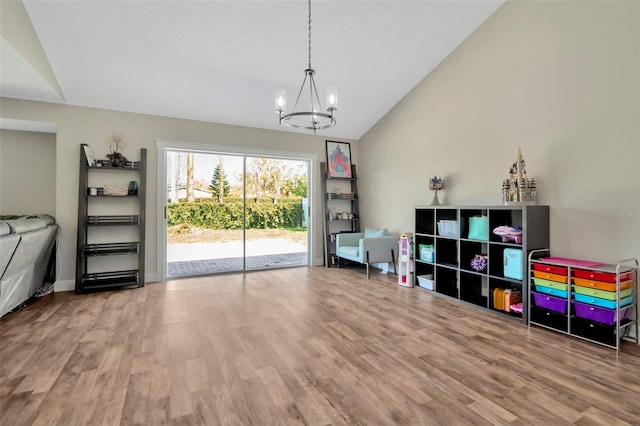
<point>64,285</point>
<point>150,277</point>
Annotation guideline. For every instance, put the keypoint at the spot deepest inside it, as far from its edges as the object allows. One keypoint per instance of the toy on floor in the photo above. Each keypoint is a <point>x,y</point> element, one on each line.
<point>509,233</point>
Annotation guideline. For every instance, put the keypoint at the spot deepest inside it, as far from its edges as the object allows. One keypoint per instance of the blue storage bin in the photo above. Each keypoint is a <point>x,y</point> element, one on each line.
<point>512,263</point>
<point>604,303</point>
<point>551,291</point>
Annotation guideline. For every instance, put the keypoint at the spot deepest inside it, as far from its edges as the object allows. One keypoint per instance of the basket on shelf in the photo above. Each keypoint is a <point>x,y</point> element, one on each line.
<point>116,190</point>
<point>449,228</point>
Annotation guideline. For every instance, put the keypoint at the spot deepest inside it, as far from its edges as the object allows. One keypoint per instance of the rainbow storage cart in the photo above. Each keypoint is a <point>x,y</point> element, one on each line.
<point>590,300</point>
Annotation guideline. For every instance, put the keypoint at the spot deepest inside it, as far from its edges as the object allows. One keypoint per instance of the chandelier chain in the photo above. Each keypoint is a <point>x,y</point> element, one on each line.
<point>309,34</point>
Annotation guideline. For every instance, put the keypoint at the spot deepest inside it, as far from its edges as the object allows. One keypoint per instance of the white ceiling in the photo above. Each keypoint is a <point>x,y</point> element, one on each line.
<point>221,61</point>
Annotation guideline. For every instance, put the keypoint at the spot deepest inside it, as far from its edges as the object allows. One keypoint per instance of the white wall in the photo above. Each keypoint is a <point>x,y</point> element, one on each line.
<point>76,125</point>
<point>560,80</point>
<point>27,173</point>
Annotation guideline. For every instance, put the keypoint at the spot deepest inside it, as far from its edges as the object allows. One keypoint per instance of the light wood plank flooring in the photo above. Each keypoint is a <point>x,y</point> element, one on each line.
<point>309,346</point>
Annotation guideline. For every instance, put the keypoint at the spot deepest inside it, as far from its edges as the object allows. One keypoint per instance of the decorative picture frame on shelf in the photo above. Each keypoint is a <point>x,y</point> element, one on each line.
<point>339,160</point>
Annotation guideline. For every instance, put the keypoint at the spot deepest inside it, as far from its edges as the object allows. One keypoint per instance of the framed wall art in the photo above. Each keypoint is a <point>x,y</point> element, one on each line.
<point>339,160</point>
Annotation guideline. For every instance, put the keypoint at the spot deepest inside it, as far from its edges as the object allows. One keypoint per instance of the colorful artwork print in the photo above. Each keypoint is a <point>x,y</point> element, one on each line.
<point>339,159</point>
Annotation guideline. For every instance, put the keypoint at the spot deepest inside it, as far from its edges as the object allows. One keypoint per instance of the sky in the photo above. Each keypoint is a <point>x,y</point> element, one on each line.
<point>205,164</point>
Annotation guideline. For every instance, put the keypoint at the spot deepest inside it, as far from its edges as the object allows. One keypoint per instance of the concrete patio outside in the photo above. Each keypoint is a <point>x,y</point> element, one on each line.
<point>187,259</point>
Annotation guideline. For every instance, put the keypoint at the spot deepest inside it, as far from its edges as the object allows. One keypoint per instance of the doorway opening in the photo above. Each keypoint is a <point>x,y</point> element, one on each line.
<point>234,212</point>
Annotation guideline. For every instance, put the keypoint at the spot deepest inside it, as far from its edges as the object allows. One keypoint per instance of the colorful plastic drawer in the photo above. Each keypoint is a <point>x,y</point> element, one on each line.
<point>603,315</point>
<point>558,270</point>
<point>551,277</point>
<point>603,303</point>
<point>549,318</point>
<point>593,330</point>
<point>609,295</point>
<point>552,284</point>
<point>600,285</point>
<point>606,277</point>
<point>552,291</point>
<point>552,303</point>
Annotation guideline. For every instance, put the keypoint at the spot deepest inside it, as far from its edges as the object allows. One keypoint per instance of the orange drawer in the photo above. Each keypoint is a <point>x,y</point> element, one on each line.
<point>558,270</point>
<point>606,277</point>
<point>600,285</point>
<point>551,277</point>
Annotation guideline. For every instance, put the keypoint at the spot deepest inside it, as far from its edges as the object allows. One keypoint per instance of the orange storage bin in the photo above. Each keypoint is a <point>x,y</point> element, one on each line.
<point>606,277</point>
<point>558,270</point>
<point>601,285</point>
<point>551,277</point>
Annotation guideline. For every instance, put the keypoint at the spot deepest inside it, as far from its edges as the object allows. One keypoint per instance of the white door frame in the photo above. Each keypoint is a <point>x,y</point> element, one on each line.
<point>167,145</point>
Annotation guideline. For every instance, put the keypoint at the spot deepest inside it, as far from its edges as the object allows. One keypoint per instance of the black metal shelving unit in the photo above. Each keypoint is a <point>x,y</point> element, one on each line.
<point>346,201</point>
<point>89,281</point>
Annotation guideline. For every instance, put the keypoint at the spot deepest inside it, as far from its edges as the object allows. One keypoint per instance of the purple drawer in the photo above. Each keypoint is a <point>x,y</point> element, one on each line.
<point>549,302</point>
<point>598,314</point>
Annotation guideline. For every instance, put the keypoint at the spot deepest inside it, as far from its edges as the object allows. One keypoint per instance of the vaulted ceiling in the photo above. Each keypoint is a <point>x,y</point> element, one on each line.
<point>221,61</point>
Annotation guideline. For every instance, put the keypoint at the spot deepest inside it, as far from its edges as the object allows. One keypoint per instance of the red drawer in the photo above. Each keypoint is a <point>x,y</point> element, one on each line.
<point>558,270</point>
<point>600,276</point>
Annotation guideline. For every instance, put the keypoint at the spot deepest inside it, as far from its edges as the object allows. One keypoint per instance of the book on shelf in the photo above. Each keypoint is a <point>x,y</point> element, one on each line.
<point>89,154</point>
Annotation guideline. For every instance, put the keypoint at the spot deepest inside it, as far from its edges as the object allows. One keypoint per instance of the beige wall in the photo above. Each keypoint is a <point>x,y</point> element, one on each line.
<point>560,80</point>
<point>76,125</point>
<point>27,173</point>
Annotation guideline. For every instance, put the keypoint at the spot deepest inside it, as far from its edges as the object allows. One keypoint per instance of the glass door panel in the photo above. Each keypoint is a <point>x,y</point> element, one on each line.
<point>204,213</point>
<point>276,212</point>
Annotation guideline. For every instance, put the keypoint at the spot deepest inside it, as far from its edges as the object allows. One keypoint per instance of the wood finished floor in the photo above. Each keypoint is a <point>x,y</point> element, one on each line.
<point>310,346</point>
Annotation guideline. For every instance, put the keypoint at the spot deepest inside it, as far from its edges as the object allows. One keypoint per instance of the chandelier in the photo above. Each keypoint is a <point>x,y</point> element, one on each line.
<point>313,119</point>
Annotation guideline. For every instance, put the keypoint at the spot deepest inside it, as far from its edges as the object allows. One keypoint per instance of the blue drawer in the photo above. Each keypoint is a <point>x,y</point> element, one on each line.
<point>551,291</point>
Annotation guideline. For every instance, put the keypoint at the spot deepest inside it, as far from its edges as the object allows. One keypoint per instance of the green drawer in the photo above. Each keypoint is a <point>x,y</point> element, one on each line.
<point>602,294</point>
<point>552,284</point>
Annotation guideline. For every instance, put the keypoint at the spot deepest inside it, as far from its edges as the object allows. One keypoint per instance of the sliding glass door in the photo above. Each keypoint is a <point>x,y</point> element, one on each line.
<point>229,213</point>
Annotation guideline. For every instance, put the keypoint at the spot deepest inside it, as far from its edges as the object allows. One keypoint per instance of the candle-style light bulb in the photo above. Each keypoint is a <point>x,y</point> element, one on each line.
<point>281,101</point>
<point>332,98</point>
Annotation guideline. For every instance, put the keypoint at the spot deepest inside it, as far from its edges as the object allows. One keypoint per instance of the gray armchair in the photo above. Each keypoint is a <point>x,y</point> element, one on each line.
<point>370,246</point>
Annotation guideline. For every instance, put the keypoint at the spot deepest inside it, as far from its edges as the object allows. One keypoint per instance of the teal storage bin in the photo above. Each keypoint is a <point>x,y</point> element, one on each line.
<point>479,228</point>
<point>426,252</point>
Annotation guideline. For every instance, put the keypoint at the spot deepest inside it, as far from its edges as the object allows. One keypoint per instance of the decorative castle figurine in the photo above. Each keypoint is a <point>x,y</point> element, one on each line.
<point>435,184</point>
<point>518,189</point>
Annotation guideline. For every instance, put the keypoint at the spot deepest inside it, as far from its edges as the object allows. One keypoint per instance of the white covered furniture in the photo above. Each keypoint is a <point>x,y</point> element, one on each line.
<point>370,246</point>
<point>27,258</point>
